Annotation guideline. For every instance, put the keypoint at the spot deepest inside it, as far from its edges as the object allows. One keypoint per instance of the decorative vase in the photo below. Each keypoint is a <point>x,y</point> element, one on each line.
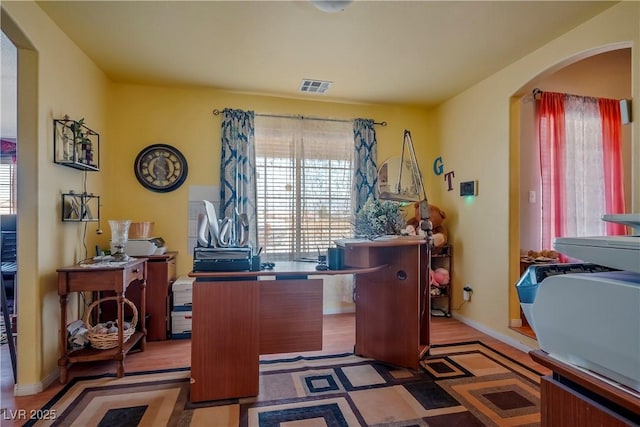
<point>119,237</point>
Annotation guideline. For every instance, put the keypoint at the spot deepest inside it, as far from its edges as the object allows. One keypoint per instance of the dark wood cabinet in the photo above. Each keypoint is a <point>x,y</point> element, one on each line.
<point>572,397</point>
<point>161,271</point>
<point>392,324</point>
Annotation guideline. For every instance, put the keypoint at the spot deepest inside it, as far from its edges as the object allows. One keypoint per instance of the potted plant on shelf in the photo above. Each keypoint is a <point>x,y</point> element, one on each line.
<point>82,142</point>
<point>378,218</point>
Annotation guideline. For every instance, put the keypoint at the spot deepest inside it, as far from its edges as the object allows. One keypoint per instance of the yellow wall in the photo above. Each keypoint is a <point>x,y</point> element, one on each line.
<point>480,142</point>
<point>182,117</point>
<point>471,132</point>
<point>128,118</point>
<point>64,81</point>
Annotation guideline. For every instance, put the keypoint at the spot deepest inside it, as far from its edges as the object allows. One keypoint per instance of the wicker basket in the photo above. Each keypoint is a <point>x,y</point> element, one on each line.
<point>141,230</point>
<point>109,340</point>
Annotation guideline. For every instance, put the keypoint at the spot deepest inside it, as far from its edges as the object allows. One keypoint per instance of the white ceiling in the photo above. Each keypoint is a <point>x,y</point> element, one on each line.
<point>406,52</point>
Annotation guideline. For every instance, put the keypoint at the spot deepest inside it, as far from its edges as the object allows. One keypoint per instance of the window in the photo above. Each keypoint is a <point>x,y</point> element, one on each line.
<point>7,185</point>
<point>9,102</point>
<point>581,165</point>
<point>304,171</point>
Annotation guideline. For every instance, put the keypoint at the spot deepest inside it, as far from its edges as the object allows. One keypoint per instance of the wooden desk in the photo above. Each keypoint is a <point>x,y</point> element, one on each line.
<point>393,308</point>
<point>572,397</point>
<point>78,278</point>
<point>237,317</point>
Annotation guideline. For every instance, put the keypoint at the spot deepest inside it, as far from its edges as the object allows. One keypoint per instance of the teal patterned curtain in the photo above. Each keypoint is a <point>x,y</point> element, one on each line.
<point>238,170</point>
<point>365,182</point>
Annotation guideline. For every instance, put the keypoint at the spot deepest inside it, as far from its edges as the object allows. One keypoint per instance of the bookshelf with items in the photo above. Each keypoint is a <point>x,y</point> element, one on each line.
<point>440,281</point>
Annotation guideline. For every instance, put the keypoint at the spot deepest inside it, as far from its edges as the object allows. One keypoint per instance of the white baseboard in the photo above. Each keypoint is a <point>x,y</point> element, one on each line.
<point>501,337</point>
<point>35,388</point>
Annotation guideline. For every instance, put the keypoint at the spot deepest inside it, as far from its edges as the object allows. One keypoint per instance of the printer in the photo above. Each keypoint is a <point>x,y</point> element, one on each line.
<point>221,259</point>
<point>588,315</point>
<point>144,247</point>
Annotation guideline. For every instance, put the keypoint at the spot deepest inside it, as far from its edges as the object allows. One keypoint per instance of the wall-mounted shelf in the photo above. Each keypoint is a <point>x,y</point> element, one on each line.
<point>75,145</point>
<point>80,207</point>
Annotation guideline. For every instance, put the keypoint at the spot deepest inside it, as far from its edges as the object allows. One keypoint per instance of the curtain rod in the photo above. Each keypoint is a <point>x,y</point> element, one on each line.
<point>533,96</point>
<point>217,112</point>
<point>537,92</point>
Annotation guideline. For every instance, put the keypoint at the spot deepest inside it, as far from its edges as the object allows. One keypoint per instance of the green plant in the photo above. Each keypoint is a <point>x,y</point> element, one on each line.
<point>379,217</point>
<point>79,133</point>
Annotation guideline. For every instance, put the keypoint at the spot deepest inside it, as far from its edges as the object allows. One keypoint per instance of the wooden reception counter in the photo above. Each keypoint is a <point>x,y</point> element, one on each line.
<point>236,317</point>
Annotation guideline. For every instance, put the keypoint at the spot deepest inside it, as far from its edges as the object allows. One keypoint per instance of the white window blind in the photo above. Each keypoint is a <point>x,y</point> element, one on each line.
<point>304,171</point>
<point>7,186</point>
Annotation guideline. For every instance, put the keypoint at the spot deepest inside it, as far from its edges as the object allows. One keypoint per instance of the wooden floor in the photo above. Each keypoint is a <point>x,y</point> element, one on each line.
<point>526,331</point>
<point>339,337</point>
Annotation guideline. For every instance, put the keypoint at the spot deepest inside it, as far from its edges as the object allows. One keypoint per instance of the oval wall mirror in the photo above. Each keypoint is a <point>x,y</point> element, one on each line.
<point>398,181</point>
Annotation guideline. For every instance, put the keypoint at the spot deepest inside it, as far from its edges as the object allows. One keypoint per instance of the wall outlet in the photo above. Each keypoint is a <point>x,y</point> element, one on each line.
<point>466,293</point>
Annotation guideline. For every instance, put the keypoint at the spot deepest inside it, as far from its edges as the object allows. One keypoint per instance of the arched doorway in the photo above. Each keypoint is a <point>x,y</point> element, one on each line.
<point>605,74</point>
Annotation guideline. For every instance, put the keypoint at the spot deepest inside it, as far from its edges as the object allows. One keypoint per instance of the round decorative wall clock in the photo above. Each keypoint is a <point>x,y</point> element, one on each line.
<point>160,168</point>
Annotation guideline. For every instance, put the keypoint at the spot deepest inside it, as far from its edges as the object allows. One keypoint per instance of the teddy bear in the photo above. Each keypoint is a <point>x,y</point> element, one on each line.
<point>439,232</point>
<point>437,217</point>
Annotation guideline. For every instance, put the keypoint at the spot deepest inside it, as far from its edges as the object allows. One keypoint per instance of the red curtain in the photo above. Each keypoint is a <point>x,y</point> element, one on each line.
<point>552,162</point>
<point>612,153</point>
<point>551,134</point>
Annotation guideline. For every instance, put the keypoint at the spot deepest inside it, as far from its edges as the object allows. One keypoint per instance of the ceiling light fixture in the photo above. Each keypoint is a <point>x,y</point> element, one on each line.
<point>331,6</point>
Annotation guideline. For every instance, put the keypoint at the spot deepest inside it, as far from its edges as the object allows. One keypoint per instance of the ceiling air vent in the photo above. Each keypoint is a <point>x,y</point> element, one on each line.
<point>314,86</point>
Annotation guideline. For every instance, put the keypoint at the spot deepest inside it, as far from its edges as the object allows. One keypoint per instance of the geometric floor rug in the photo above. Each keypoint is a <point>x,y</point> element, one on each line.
<point>466,384</point>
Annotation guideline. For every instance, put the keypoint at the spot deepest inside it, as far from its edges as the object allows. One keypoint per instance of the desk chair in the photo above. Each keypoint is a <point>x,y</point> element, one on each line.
<point>8,257</point>
<point>8,273</point>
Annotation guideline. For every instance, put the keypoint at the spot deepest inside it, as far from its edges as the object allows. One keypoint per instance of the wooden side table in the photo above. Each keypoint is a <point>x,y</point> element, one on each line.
<point>101,277</point>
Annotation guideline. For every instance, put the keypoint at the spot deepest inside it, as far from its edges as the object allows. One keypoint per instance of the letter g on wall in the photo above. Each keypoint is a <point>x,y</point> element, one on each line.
<point>438,166</point>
